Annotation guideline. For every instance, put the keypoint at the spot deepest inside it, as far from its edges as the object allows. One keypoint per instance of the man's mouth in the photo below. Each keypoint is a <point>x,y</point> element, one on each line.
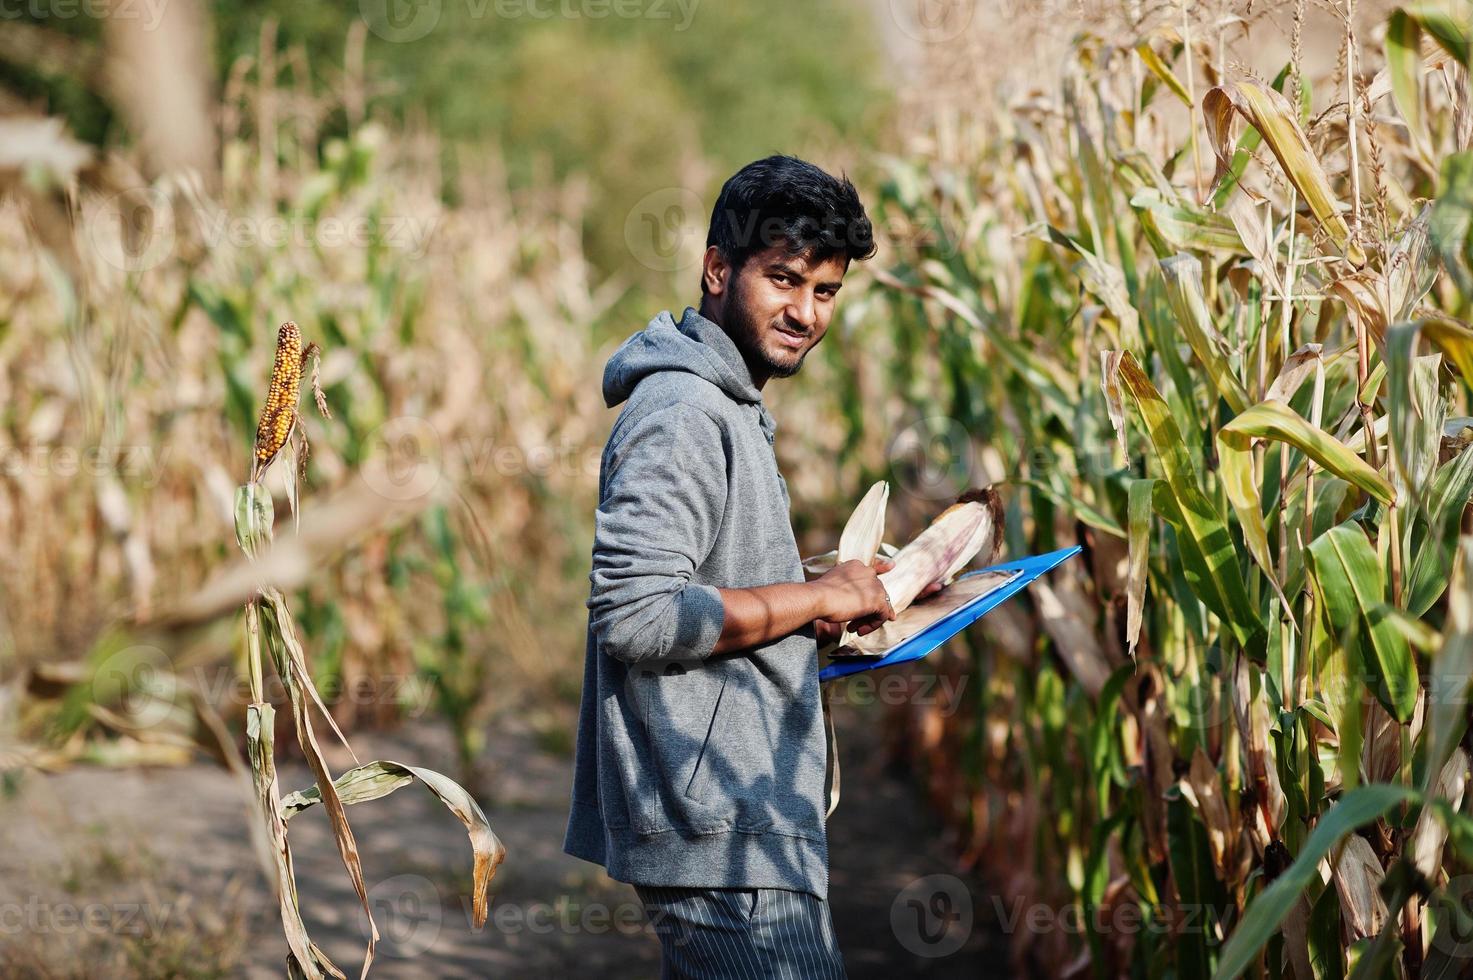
<point>789,338</point>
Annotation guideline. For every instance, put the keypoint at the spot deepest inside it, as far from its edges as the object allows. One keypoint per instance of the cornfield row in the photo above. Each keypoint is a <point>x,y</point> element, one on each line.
<point>1213,325</point>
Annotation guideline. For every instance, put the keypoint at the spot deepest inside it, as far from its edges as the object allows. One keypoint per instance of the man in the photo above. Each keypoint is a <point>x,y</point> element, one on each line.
<point>700,756</point>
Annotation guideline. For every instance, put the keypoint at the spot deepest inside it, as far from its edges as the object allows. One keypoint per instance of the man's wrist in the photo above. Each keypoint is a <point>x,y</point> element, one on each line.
<point>815,600</point>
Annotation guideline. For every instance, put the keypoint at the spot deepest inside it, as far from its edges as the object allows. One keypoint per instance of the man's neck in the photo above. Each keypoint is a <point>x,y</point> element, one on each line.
<point>757,371</point>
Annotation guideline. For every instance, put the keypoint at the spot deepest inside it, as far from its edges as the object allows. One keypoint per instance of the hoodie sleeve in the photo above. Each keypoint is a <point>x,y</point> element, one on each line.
<point>663,501</point>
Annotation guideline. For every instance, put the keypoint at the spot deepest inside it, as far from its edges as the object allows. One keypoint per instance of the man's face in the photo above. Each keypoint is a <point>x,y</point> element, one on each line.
<point>777,308</point>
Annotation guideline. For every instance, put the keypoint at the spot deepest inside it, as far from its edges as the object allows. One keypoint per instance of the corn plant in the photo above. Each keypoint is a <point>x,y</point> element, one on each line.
<point>269,625</point>
<point>1211,324</point>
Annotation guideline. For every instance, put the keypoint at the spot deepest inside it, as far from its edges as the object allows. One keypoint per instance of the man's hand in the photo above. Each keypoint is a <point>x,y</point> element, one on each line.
<point>829,627</point>
<point>883,565</point>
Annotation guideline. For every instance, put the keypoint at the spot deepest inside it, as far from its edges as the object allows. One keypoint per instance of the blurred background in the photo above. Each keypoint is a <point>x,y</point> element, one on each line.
<point>467,205</point>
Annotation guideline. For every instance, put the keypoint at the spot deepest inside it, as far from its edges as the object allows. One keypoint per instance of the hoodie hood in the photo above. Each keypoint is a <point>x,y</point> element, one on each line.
<point>695,345</point>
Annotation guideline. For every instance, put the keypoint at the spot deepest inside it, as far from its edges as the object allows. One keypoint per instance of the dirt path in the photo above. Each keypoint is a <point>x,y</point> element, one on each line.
<point>111,873</point>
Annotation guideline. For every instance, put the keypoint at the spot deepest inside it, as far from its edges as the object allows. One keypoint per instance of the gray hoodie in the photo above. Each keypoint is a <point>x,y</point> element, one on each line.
<point>693,769</point>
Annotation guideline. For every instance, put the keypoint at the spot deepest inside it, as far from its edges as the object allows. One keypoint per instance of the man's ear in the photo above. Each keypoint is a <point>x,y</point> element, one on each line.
<point>714,271</point>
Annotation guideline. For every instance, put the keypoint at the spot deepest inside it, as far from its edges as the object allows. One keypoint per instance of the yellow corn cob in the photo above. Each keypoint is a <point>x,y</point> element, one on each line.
<point>281,400</point>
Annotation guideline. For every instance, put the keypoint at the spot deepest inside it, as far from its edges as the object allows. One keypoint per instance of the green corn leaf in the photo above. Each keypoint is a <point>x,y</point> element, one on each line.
<point>1266,913</point>
<point>1354,592</point>
<point>1183,275</point>
<point>254,515</point>
<point>1277,422</point>
<point>1404,63</point>
<point>1209,558</point>
<point>1447,31</point>
<point>1186,227</point>
<point>1432,560</point>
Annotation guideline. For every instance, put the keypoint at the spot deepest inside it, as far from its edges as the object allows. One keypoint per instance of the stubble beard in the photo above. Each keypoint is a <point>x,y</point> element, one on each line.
<point>746,332</point>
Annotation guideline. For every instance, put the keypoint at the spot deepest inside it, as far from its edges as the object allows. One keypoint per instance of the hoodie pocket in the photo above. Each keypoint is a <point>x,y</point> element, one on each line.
<point>682,710</point>
<point>695,787</point>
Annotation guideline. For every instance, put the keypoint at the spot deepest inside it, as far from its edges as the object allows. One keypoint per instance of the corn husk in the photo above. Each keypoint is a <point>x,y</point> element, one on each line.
<point>860,540</point>
<point>922,614</point>
<point>957,535</point>
<point>944,548</point>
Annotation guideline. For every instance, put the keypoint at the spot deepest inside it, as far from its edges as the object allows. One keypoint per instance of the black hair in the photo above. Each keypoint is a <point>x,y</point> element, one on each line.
<point>784,201</point>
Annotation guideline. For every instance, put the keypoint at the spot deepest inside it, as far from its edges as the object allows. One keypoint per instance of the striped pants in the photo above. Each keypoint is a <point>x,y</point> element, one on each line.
<point>742,932</point>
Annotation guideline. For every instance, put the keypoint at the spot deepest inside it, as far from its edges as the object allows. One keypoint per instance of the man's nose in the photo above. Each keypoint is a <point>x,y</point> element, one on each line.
<point>801,311</point>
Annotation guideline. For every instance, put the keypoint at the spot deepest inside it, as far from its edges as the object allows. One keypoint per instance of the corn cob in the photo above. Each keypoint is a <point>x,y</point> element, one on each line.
<point>280,411</point>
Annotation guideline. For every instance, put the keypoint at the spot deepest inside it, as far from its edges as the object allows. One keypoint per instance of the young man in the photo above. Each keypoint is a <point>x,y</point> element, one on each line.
<point>700,757</point>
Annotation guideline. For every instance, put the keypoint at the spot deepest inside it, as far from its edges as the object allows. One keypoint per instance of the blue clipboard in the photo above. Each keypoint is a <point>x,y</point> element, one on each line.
<point>944,629</point>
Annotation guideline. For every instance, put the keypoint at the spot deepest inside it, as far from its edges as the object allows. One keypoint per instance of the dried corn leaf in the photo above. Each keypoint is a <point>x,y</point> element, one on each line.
<point>1202,788</point>
<point>305,957</point>
<point>291,667</point>
<point>1270,113</point>
<point>1427,840</point>
<point>1298,366</point>
<point>377,779</point>
<point>1358,876</point>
